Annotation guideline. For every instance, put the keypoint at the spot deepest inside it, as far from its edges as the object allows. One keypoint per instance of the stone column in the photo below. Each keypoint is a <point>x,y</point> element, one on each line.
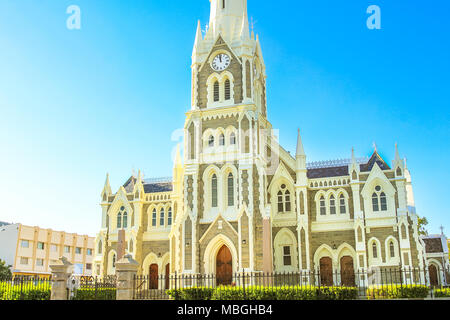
<point>267,246</point>
<point>61,272</point>
<point>126,269</point>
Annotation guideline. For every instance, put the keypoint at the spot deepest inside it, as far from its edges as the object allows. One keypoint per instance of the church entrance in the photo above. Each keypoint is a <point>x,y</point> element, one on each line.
<point>224,266</point>
<point>326,271</point>
<point>347,272</point>
<point>432,270</point>
<point>153,275</point>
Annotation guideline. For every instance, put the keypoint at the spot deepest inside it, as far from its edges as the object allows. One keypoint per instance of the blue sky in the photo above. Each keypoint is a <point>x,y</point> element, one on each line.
<point>76,104</point>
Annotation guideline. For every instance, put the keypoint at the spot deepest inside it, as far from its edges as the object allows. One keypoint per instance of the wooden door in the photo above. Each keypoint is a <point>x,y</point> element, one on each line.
<point>326,272</point>
<point>153,275</point>
<point>347,272</point>
<point>224,266</point>
<point>433,275</point>
<point>167,275</point>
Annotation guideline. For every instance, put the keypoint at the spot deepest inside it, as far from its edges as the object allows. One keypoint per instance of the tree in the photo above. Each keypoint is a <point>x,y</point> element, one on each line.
<point>422,222</point>
<point>5,271</point>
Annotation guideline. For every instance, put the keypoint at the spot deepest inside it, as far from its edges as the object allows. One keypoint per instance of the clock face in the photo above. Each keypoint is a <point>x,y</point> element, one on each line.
<point>221,62</point>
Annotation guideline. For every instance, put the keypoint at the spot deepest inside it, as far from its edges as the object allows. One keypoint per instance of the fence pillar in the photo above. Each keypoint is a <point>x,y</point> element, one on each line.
<point>61,272</point>
<point>126,269</point>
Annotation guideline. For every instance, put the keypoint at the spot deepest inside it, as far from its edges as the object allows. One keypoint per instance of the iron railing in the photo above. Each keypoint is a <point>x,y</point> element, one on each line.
<point>93,288</point>
<point>366,282</point>
<point>25,288</point>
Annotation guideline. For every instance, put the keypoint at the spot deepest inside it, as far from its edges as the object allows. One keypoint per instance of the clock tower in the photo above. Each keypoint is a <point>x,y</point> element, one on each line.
<point>226,146</point>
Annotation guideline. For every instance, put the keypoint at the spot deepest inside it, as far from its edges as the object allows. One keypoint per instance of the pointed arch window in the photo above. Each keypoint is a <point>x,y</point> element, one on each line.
<point>374,250</point>
<point>342,206</point>
<point>332,205</point>
<point>162,217</point>
<point>154,218</point>
<point>383,201</point>
<point>211,141</point>
<point>222,140</point>
<point>125,220</point>
<point>379,200</point>
<point>323,207</point>
<point>230,190</point>
<point>233,139</point>
<point>169,217</point>
<point>216,91</point>
<point>375,206</point>
<point>392,249</point>
<point>284,199</point>
<point>114,260</point>
<point>119,220</point>
<point>214,203</point>
<point>227,89</point>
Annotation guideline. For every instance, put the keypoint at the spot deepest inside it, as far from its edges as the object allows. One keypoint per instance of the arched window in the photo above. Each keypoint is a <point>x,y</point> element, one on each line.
<point>223,4</point>
<point>332,205</point>
<point>374,250</point>
<point>211,141</point>
<point>392,249</point>
<point>114,261</point>
<point>125,220</point>
<point>119,220</point>
<point>230,190</point>
<point>161,217</point>
<point>169,217</point>
<point>154,218</point>
<point>100,247</point>
<point>227,89</point>
<point>222,140</point>
<point>375,206</point>
<point>284,199</point>
<point>214,191</point>
<point>323,208</point>
<point>216,91</point>
<point>383,201</point>
<point>233,139</point>
<point>342,208</point>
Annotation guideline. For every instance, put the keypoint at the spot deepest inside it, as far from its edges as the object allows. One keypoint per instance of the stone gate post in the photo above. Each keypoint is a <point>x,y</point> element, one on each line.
<point>61,272</point>
<point>126,269</point>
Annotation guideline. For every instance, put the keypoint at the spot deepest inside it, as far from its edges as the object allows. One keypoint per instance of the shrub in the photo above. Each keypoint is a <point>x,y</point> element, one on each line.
<point>265,293</point>
<point>397,292</point>
<point>442,293</point>
<point>95,294</point>
<point>10,291</point>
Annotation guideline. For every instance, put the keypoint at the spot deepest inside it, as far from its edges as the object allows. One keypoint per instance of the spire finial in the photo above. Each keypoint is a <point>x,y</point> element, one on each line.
<point>397,154</point>
<point>300,149</point>
<point>375,147</point>
<point>442,230</point>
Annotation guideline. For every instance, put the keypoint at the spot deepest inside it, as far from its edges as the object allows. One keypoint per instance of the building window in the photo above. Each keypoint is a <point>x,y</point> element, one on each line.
<point>332,205</point>
<point>154,218</point>
<point>223,4</point>
<point>66,249</point>
<point>222,140</point>
<point>211,141</point>
<point>227,89</point>
<point>216,91</point>
<point>284,199</point>
<point>323,208</point>
<point>125,220</point>
<point>88,266</point>
<point>383,201</point>
<point>230,190</point>
<point>392,249</point>
<point>119,220</point>
<point>40,246</point>
<point>375,206</point>
<point>374,250</point>
<point>24,261</point>
<point>114,261</point>
<point>214,191</point>
<point>25,244</point>
<point>122,219</point>
<point>161,217</point>
<point>53,248</point>
<point>89,252</point>
<point>77,250</point>
<point>287,261</point>
<point>169,217</point>
<point>40,262</point>
<point>233,139</point>
<point>342,207</point>
<point>379,200</point>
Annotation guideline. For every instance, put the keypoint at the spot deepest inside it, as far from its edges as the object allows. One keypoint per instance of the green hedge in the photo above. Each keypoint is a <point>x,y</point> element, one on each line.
<point>9,291</point>
<point>398,292</point>
<point>265,293</point>
<point>92,294</point>
<point>442,293</point>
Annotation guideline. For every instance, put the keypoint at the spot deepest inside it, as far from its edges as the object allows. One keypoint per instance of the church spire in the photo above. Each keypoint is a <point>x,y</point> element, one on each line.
<point>198,38</point>
<point>300,153</point>
<point>229,18</point>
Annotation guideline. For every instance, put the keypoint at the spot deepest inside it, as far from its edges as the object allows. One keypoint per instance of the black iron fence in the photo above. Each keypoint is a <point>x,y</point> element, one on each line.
<point>92,288</point>
<point>25,288</point>
<point>375,283</point>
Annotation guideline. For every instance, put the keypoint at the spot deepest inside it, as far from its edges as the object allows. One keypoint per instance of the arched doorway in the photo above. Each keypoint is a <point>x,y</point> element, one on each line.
<point>434,280</point>
<point>326,271</point>
<point>224,266</point>
<point>153,276</point>
<point>347,272</point>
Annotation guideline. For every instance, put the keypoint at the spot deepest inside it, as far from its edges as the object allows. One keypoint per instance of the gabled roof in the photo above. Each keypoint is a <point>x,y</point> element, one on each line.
<point>153,187</point>
<point>375,158</point>
<point>433,245</point>
<point>327,172</point>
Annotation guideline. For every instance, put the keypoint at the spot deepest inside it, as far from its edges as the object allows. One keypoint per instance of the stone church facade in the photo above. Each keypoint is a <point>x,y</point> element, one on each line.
<point>238,201</point>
